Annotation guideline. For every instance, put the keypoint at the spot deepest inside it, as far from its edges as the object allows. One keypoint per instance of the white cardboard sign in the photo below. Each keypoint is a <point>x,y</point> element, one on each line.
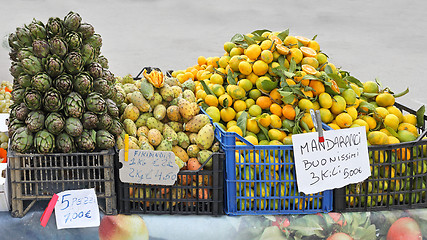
<point>148,167</point>
<point>340,160</point>
<point>77,209</point>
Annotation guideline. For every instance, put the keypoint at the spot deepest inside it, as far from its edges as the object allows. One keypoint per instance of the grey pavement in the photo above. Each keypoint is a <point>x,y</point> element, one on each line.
<point>372,39</point>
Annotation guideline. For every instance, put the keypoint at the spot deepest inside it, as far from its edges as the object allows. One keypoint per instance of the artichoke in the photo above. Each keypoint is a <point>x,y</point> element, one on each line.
<point>42,82</point>
<point>64,84</point>
<point>32,65</point>
<point>86,30</point>
<point>44,142</point>
<point>88,53</point>
<point>24,53</point>
<point>54,66</point>
<point>13,41</point>
<point>101,86</point>
<point>95,103</point>
<point>73,62</point>
<point>54,123</point>
<point>55,27</point>
<point>35,121</point>
<point>73,40</point>
<point>18,95</point>
<point>108,76</point>
<point>112,108</point>
<point>40,48</point>
<point>52,100</point>
<point>120,95</point>
<point>74,105</point>
<point>90,120</point>
<point>23,37</point>
<point>65,143</point>
<point>16,69</point>
<point>24,80</point>
<point>21,112</point>
<point>72,21</point>
<point>73,127</point>
<point>37,29</point>
<point>58,47</point>
<point>95,41</point>
<point>82,84</point>
<point>86,142</point>
<point>104,140</point>
<point>14,125</point>
<point>105,121</point>
<point>116,127</point>
<point>22,140</point>
<point>95,70</point>
<point>103,61</point>
<point>32,99</point>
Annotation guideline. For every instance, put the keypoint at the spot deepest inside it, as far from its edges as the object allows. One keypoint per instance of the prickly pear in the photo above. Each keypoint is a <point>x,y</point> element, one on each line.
<point>131,112</point>
<point>203,156</point>
<point>169,133</point>
<point>129,88</point>
<point>193,138</point>
<point>196,108</point>
<point>142,139</point>
<point>197,122</point>
<point>120,143</point>
<point>165,145</point>
<point>193,150</point>
<point>189,84</point>
<point>176,91</point>
<point>167,93</point>
<point>154,123</point>
<point>159,112</point>
<point>183,140</point>
<point>157,99</point>
<point>173,113</point>
<point>185,109</point>
<point>139,101</point>
<point>189,95</point>
<point>171,81</point>
<point>215,147</point>
<point>142,119</point>
<point>205,137</point>
<point>179,162</point>
<point>181,153</point>
<point>176,126</point>
<point>142,131</point>
<point>154,137</point>
<point>129,127</point>
<point>146,146</point>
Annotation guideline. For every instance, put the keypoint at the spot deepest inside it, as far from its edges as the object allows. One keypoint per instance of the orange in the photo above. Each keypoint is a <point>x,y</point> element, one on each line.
<point>303,40</point>
<point>296,54</point>
<point>252,126</point>
<point>314,45</point>
<point>228,46</point>
<point>275,95</point>
<point>264,102</point>
<point>245,68</point>
<point>235,129</point>
<point>260,67</point>
<point>276,109</point>
<point>201,94</point>
<point>253,51</point>
<point>266,56</point>
<point>309,69</point>
<point>266,44</point>
<point>201,60</point>
<point>264,120</point>
<point>211,100</point>
<point>213,61</point>
<point>239,105</point>
<point>308,52</point>
<point>276,122</point>
<point>344,120</point>
<point>275,39</point>
<point>291,42</point>
<point>282,49</point>
<point>288,112</point>
<point>223,97</point>
<point>227,114</point>
<point>310,61</point>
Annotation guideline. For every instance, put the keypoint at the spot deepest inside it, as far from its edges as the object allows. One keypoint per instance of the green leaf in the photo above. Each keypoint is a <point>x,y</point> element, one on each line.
<point>289,74</point>
<point>230,78</point>
<point>391,130</point>
<point>249,40</point>
<point>237,38</point>
<point>367,105</point>
<point>268,85</point>
<point>260,32</point>
<point>264,131</point>
<point>311,77</point>
<point>305,126</point>
<point>283,34</point>
<point>328,69</point>
<point>242,121</point>
<point>314,38</point>
<point>225,103</point>
<point>353,80</point>
<point>300,44</point>
<point>259,38</point>
<point>204,106</point>
<point>287,97</point>
<point>206,88</point>
<point>420,116</point>
<point>377,80</point>
<point>281,60</point>
<point>402,93</point>
<point>292,66</point>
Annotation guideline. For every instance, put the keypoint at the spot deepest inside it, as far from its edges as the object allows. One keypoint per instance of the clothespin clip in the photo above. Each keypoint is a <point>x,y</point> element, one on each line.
<point>317,121</point>
<point>48,211</point>
<point>126,147</point>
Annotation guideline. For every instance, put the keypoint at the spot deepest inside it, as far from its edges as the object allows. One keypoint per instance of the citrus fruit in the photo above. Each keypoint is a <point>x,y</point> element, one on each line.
<point>216,79</point>
<point>377,138</point>
<point>308,52</point>
<point>305,104</point>
<point>231,123</point>
<point>361,122</point>
<point>314,45</point>
<point>249,102</point>
<point>276,122</point>
<point>254,94</point>
<point>325,100</point>
<point>245,68</point>
<point>265,120</point>
<point>289,112</point>
<point>372,123</point>
<point>267,56</point>
<point>236,51</point>
<point>318,87</point>
<point>253,51</point>
<point>255,110</point>
<point>392,121</point>
<point>228,46</point>
<point>264,102</point>
<point>260,67</point>
<point>352,111</point>
<point>275,134</point>
<point>408,127</point>
<point>385,99</point>
<point>370,87</point>
<point>266,44</point>
<point>211,100</point>
<point>223,97</point>
<point>296,54</point>
<point>312,61</point>
<point>218,89</point>
<point>349,95</point>
<point>338,105</point>
<point>235,129</point>
<point>303,40</point>
<point>214,113</point>
<point>326,115</point>
<point>291,42</point>
<point>307,119</point>
<point>276,109</point>
<point>344,120</point>
<point>394,110</point>
<point>410,118</point>
<point>239,105</point>
<point>252,126</point>
<point>321,58</point>
<point>245,84</point>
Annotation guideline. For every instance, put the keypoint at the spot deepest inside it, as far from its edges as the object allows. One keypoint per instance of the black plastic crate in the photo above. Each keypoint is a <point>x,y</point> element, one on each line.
<point>36,177</point>
<point>198,192</point>
<point>398,179</point>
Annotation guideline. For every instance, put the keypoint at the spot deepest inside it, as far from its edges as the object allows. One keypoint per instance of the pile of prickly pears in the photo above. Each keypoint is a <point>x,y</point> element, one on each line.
<point>165,118</point>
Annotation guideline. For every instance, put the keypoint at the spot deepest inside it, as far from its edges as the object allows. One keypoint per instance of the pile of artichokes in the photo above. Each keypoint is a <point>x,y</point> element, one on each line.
<point>64,99</point>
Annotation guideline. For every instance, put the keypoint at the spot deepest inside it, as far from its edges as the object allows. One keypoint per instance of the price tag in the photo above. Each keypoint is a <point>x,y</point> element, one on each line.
<point>340,160</point>
<point>77,209</point>
<point>148,167</point>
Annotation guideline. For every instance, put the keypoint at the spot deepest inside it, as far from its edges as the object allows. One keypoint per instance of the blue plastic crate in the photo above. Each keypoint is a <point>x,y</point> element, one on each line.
<point>260,180</point>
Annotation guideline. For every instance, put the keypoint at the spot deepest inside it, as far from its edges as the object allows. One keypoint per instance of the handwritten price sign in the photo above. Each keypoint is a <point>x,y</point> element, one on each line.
<point>148,167</point>
<point>340,160</point>
<point>77,209</point>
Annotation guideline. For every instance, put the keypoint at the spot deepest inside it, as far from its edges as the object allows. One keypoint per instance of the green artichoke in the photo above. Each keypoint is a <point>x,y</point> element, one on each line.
<point>21,112</point>
<point>22,140</point>
<point>35,121</point>
<point>73,62</point>
<point>32,65</point>
<point>42,82</point>
<point>95,103</point>
<point>24,53</point>
<point>13,41</point>
<point>104,140</point>
<point>116,127</point>
<point>108,76</point>
<point>18,95</point>
<point>16,69</point>
<point>64,84</point>
<point>54,66</point>
<point>40,48</point>
<point>73,127</point>
<point>33,99</point>
<point>112,108</point>
<point>105,121</point>
<point>37,29</point>
<point>102,87</point>
<point>73,40</point>
<point>44,142</point>
<point>82,84</point>
<point>54,123</point>
<point>103,61</point>
<point>58,46</point>
<point>14,124</point>
<point>23,37</point>
<point>90,120</point>
<point>52,100</point>
<point>86,30</point>
<point>55,27</point>
<point>95,41</point>
<point>88,53</point>
<point>74,105</point>
<point>72,21</point>
<point>24,80</point>
<point>120,95</point>
<point>65,143</point>
<point>86,142</point>
<point>95,70</point>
